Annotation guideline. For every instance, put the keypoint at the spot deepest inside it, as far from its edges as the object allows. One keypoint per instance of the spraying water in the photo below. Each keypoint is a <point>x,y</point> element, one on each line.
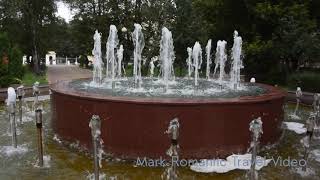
<point>97,63</point>
<point>197,61</point>
<point>120,58</point>
<point>237,63</point>
<point>138,42</point>
<point>255,127</point>
<point>11,102</point>
<point>209,61</point>
<point>189,62</point>
<point>221,58</point>
<point>112,44</point>
<point>167,57</point>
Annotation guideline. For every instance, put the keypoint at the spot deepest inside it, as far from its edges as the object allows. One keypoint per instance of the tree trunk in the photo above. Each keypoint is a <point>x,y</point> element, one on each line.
<point>35,57</point>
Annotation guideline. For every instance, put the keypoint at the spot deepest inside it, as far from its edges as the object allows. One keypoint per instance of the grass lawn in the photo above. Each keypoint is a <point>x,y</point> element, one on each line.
<point>29,78</point>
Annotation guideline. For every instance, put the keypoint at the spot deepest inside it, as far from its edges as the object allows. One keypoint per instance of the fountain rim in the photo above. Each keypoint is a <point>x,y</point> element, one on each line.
<point>61,87</point>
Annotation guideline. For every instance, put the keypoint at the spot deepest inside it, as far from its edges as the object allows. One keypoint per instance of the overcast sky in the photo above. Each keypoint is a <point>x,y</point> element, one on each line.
<point>64,11</point>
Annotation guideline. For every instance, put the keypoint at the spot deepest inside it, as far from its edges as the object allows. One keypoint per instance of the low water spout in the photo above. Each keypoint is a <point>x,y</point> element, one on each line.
<point>298,98</point>
<point>173,131</point>
<point>36,92</point>
<point>11,103</point>
<point>39,130</point>
<point>95,125</point>
<point>256,130</point>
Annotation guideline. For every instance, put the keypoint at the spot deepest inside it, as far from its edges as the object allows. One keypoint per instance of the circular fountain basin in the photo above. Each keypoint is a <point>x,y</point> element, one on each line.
<point>134,126</point>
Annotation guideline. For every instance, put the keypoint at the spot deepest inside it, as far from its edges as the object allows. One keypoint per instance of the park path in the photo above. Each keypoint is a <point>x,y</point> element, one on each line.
<point>65,72</point>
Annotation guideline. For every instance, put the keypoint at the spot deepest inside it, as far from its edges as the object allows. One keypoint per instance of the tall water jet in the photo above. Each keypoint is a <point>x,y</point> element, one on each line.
<point>237,63</point>
<point>220,60</point>
<point>97,63</point>
<point>197,61</point>
<point>209,61</point>
<point>255,127</point>
<point>11,103</point>
<point>167,57</point>
<point>138,42</point>
<point>120,58</point>
<point>189,62</point>
<point>112,44</point>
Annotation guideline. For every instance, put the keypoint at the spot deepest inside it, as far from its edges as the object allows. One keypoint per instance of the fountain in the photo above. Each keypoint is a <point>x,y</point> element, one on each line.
<point>209,61</point>
<point>213,108</point>
<point>237,64</point>
<point>166,57</point>
<point>189,62</point>
<point>97,63</point>
<point>197,61</point>
<point>220,60</point>
<point>138,42</point>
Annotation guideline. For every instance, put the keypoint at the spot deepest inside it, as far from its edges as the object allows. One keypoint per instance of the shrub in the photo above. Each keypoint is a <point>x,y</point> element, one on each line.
<point>11,69</point>
<point>308,81</point>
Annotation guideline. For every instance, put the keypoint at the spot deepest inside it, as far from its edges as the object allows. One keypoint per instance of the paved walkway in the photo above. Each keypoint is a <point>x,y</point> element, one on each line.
<point>64,72</point>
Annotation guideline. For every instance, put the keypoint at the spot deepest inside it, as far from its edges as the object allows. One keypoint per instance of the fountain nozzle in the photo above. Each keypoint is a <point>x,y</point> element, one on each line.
<point>20,92</point>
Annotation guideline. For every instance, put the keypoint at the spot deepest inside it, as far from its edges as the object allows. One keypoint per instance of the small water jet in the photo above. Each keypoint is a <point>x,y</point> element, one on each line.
<point>97,63</point>
<point>120,58</point>
<point>256,129</point>
<point>220,59</point>
<point>209,60</point>
<point>152,66</point>
<point>189,62</point>
<point>197,61</point>
<point>138,42</point>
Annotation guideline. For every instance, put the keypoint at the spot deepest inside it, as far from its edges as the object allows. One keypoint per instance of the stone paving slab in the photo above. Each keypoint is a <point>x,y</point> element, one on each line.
<point>65,72</point>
